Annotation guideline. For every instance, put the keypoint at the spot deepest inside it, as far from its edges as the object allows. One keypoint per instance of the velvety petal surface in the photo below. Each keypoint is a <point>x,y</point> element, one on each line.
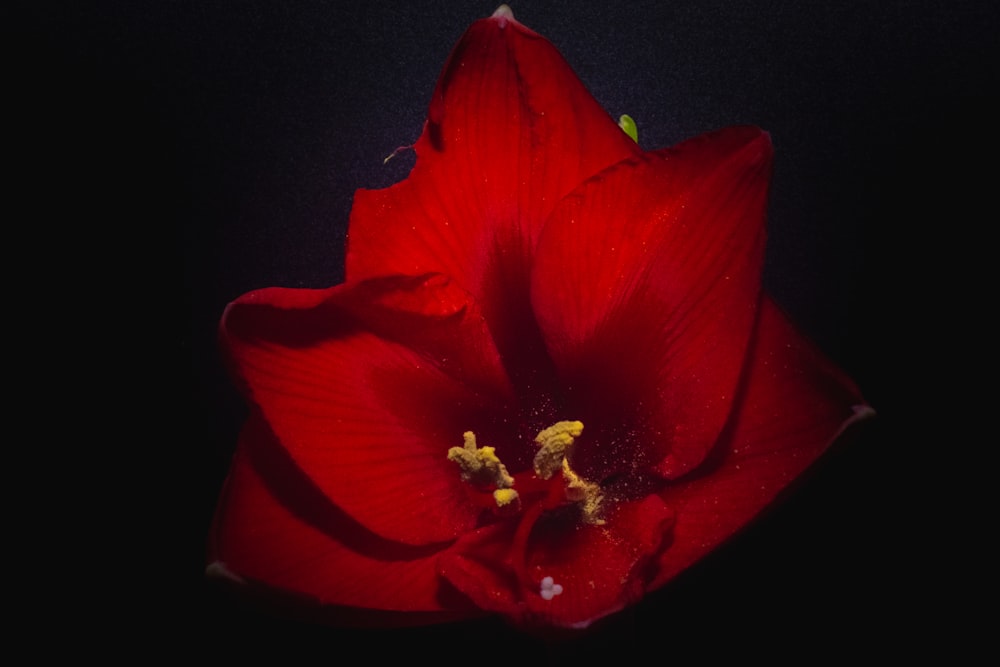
<point>794,404</point>
<point>600,568</point>
<point>646,284</point>
<point>274,527</point>
<point>366,386</point>
<point>511,130</point>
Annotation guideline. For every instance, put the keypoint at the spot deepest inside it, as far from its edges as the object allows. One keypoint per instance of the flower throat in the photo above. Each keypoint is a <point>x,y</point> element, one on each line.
<point>482,468</point>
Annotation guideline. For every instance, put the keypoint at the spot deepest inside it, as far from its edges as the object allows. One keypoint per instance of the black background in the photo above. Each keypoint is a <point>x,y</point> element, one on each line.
<point>188,152</point>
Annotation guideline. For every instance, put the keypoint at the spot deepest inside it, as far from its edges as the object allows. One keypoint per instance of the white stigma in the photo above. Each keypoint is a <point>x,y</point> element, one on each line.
<point>550,589</point>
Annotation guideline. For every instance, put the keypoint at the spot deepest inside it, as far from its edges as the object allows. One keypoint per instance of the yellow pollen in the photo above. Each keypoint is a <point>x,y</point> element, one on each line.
<point>505,497</point>
<point>555,445</point>
<point>588,494</point>
<point>480,465</point>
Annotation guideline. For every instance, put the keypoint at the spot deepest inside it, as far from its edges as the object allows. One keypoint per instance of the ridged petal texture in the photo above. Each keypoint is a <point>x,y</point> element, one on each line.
<point>365,386</point>
<point>511,131</point>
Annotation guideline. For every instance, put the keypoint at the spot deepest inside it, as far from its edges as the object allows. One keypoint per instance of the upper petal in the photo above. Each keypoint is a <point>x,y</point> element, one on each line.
<point>511,130</point>
<point>795,403</point>
<point>646,284</point>
<point>366,386</point>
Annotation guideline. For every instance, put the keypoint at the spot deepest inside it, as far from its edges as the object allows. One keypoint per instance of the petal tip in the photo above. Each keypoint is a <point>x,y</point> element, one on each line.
<point>503,13</point>
<point>759,143</point>
<point>861,413</point>
<point>766,144</point>
<point>219,570</point>
<point>750,138</point>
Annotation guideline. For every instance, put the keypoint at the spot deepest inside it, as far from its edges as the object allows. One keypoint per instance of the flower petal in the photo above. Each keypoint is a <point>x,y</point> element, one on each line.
<point>366,386</point>
<point>600,569</point>
<point>273,527</point>
<point>511,130</point>
<point>659,260</point>
<point>795,404</point>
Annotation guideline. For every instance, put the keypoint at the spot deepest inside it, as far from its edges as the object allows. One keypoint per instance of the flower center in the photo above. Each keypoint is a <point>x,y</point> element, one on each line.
<point>482,468</point>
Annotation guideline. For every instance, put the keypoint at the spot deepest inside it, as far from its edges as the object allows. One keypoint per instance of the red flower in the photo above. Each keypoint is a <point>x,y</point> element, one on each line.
<point>551,381</point>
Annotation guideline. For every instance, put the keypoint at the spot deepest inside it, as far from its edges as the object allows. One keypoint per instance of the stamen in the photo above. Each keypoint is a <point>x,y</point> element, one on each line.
<point>588,494</point>
<point>480,465</point>
<point>507,499</point>
<point>555,444</point>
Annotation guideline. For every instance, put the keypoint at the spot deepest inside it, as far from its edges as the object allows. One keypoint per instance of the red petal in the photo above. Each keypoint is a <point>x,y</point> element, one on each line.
<point>479,566</point>
<point>646,285</point>
<point>367,386</point>
<point>600,568</point>
<point>273,527</point>
<point>511,130</point>
<point>796,404</point>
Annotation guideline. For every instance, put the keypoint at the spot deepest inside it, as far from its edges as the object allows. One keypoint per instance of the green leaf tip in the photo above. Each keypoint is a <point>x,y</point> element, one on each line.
<point>627,124</point>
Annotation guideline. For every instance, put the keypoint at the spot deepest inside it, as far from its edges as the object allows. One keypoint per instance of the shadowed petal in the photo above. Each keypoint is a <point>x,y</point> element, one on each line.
<point>367,386</point>
<point>795,404</point>
<point>646,285</point>
<point>273,527</point>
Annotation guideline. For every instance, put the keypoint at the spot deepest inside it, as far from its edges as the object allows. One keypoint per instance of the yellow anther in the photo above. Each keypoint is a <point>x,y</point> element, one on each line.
<point>480,465</point>
<point>505,497</point>
<point>588,494</point>
<point>555,444</point>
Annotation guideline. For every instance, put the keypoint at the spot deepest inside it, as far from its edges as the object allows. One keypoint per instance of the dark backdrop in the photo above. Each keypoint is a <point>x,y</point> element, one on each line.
<point>200,150</point>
